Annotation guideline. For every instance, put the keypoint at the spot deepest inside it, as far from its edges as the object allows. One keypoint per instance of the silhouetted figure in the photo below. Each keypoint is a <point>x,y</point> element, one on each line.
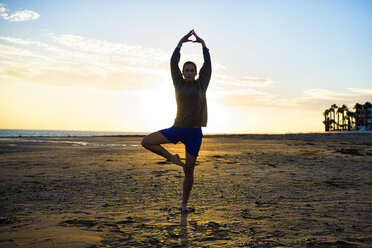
<point>191,114</point>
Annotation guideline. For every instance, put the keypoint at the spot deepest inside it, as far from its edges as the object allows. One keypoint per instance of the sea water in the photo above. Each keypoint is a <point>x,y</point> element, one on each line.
<point>56,136</point>
<point>60,133</point>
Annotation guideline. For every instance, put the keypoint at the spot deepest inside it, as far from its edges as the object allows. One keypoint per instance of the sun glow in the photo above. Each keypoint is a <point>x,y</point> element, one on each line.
<point>158,108</point>
<point>219,117</point>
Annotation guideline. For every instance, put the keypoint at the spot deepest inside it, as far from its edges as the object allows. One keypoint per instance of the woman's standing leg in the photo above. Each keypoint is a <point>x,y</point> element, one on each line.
<point>152,142</point>
<point>189,179</point>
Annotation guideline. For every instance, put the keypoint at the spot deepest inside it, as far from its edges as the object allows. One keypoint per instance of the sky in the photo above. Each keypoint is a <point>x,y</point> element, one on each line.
<point>104,65</point>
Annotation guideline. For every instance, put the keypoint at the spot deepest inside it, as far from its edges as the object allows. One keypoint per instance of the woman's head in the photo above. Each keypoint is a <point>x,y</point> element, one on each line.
<point>189,71</point>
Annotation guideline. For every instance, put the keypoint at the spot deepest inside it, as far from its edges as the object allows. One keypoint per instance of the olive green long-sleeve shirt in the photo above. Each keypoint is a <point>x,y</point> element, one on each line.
<point>191,96</point>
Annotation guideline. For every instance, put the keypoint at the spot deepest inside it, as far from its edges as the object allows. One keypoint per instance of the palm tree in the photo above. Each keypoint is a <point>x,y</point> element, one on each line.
<point>357,106</point>
<point>339,111</point>
<point>367,106</point>
<point>332,109</point>
<point>350,115</point>
<point>326,121</point>
<point>333,124</point>
<point>344,109</point>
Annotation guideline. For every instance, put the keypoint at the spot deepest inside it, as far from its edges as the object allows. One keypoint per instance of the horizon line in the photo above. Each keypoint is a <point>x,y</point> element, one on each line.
<point>141,133</point>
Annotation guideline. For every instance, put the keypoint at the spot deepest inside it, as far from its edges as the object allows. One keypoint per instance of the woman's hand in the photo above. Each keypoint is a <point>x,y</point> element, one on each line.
<point>198,39</point>
<point>186,38</point>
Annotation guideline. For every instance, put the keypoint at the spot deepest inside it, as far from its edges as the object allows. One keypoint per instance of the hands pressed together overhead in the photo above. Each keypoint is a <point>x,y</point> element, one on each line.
<point>186,38</point>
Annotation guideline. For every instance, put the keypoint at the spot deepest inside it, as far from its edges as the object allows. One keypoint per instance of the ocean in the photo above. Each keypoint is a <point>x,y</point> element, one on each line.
<point>59,133</point>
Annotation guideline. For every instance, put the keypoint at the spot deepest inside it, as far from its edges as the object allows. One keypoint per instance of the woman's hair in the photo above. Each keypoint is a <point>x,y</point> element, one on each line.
<point>189,63</point>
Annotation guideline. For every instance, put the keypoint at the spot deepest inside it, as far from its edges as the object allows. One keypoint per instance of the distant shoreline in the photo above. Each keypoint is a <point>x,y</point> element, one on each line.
<point>307,136</point>
<point>22,133</point>
<point>367,135</point>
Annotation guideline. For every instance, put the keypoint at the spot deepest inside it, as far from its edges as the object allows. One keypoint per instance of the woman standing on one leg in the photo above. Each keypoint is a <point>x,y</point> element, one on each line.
<point>191,114</point>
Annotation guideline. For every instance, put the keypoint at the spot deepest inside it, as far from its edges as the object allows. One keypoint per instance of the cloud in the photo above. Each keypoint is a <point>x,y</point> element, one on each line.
<point>16,40</point>
<point>74,60</point>
<point>114,50</point>
<point>311,99</point>
<point>239,91</point>
<point>366,92</point>
<point>18,16</point>
<point>327,94</point>
<point>104,57</point>
<point>242,81</point>
<point>67,60</point>
<point>325,97</point>
<point>105,65</point>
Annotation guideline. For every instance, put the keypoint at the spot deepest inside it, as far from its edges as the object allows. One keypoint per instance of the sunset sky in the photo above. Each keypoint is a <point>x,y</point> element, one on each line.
<point>104,65</point>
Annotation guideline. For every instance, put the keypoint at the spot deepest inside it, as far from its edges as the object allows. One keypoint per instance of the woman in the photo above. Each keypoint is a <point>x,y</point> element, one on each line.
<point>191,114</point>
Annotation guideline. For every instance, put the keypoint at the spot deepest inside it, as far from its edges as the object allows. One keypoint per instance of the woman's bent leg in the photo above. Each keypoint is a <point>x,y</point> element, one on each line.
<point>152,142</point>
<point>189,179</point>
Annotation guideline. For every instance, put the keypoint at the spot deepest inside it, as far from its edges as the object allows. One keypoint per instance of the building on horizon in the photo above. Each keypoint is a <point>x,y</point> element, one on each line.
<point>363,118</point>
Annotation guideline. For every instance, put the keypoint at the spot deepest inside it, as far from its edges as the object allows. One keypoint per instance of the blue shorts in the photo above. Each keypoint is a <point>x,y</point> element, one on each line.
<point>191,137</point>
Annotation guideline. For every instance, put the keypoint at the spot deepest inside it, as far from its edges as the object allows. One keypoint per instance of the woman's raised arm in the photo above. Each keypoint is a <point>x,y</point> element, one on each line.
<point>206,70</point>
<point>175,59</point>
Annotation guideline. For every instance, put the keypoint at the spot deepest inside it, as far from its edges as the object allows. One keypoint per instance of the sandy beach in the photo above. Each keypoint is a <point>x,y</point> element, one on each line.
<point>295,190</point>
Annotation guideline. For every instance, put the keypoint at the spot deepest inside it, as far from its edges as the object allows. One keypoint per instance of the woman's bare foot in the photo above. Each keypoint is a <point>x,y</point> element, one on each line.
<point>177,160</point>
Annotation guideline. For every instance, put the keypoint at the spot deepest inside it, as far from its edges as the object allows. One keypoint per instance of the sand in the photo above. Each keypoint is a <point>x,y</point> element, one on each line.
<point>310,190</point>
